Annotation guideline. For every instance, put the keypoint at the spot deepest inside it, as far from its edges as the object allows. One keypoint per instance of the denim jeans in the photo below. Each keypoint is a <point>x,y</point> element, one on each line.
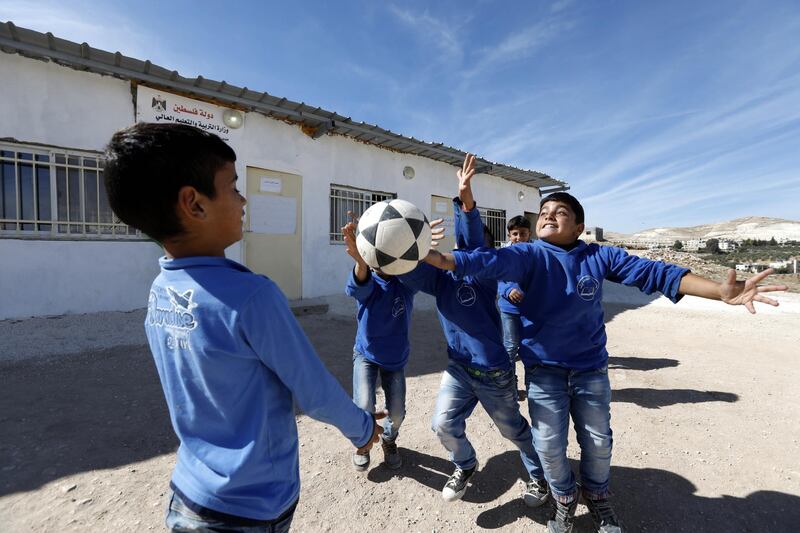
<point>459,393</point>
<point>555,394</point>
<point>180,519</point>
<point>365,377</point>
<point>511,330</point>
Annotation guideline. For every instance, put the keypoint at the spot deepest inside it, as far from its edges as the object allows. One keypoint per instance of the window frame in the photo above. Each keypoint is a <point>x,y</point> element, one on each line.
<point>495,219</point>
<point>337,214</point>
<point>58,225</point>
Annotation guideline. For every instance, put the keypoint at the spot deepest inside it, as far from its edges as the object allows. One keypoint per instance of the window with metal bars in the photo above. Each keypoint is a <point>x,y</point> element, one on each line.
<point>344,199</point>
<point>53,193</point>
<point>495,219</point>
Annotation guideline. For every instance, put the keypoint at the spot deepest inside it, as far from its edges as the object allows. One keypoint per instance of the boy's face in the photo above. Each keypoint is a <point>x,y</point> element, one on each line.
<point>516,235</point>
<point>556,224</point>
<point>227,208</point>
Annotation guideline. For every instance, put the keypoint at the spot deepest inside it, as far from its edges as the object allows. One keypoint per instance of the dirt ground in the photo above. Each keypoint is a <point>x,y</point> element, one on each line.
<point>705,418</point>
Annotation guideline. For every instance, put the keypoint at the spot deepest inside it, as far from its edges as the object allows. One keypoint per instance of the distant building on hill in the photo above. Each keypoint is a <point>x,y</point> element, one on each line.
<point>593,234</point>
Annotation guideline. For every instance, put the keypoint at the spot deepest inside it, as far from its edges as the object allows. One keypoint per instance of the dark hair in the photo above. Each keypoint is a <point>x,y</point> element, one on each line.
<point>568,199</point>
<point>488,237</point>
<point>147,164</point>
<point>518,221</point>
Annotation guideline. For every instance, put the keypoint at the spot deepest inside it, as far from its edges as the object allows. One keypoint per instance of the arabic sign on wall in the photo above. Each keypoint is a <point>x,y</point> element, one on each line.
<point>160,106</point>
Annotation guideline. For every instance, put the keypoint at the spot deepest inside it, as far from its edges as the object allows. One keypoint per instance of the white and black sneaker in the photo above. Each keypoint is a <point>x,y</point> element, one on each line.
<point>360,461</point>
<point>391,455</point>
<point>603,515</point>
<point>456,486</point>
<point>536,493</point>
<point>563,517</point>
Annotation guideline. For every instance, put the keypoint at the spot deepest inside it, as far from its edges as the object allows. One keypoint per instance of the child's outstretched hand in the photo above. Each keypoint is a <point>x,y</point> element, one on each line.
<point>437,232</point>
<point>744,293</point>
<point>515,296</point>
<point>349,232</point>
<point>377,430</point>
<point>464,177</point>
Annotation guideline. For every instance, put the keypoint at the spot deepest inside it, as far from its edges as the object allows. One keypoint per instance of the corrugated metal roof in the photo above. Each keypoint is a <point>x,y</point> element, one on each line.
<point>315,121</point>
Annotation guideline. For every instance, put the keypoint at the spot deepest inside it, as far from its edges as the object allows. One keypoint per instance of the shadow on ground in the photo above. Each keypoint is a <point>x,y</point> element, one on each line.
<point>650,499</point>
<point>657,398</point>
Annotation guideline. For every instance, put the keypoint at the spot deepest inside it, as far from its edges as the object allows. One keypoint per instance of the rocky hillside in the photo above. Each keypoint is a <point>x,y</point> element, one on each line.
<point>763,228</point>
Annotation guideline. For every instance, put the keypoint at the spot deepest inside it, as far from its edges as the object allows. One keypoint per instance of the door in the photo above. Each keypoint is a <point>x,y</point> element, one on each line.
<point>532,218</point>
<point>273,228</point>
<point>442,207</point>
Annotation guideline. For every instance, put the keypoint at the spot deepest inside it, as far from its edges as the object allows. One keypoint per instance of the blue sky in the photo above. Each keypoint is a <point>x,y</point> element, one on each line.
<point>657,113</point>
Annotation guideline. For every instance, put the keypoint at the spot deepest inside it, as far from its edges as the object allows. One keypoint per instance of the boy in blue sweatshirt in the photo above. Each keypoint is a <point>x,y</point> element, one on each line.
<point>478,370</point>
<point>231,358</point>
<point>564,340</point>
<point>510,294</point>
<point>381,349</point>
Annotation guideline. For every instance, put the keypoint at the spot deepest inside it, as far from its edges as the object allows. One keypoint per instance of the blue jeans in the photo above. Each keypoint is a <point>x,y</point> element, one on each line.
<point>365,377</point>
<point>180,519</point>
<point>511,328</point>
<point>554,394</point>
<point>459,393</point>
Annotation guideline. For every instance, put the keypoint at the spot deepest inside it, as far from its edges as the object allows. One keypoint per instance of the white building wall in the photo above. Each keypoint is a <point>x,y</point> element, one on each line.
<point>58,106</point>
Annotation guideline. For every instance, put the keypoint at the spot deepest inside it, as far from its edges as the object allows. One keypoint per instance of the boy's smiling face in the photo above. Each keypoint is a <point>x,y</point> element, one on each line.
<point>556,224</point>
<point>226,209</point>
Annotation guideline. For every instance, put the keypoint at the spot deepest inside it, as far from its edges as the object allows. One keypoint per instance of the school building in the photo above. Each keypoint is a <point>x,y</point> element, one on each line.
<point>301,168</point>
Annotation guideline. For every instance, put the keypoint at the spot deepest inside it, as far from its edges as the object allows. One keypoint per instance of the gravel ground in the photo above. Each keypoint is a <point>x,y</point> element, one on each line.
<point>707,437</point>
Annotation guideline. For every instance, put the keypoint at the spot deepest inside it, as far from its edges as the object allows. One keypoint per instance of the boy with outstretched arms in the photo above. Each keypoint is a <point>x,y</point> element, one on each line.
<point>510,295</point>
<point>231,358</point>
<point>478,369</point>
<point>564,341</point>
<point>381,349</point>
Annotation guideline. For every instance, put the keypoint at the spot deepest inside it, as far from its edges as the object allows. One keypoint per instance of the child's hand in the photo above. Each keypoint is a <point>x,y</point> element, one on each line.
<point>377,430</point>
<point>744,293</point>
<point>464,187</point>
<point>515,296</point>
<point>437,231</point>
<point>349,232</point>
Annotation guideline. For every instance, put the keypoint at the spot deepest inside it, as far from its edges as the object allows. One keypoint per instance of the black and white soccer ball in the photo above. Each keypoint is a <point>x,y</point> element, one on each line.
<point>393,236</point>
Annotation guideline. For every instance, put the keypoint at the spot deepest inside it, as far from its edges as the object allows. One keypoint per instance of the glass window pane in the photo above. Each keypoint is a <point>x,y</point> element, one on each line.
<point>8,194</point>
<point>90,162</point>
<point>61,159</point>
<point>105,215</point>
<point>26,198</point>
<point>43,158</point>
<point>6,153</point>
<point>43,196</point>
<point>90,198</point>
<point>74,185</point>
<point>24,156</point>
<point>73,160</point>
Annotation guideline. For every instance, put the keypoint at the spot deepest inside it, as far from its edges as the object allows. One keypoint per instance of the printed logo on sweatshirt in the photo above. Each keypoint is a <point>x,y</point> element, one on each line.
<point>588,287</point>
<point>179,316</point>
<point>399,307</point>
<point>466,295</point>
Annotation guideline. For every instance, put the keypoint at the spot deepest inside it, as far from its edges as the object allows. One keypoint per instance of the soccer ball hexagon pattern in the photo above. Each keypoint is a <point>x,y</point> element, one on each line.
<point>393,236</point>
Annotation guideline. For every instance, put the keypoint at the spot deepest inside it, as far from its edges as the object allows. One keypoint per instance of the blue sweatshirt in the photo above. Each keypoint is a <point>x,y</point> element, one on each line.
<point>563,321</point>
<point>233,361</point>
<point>384,316</point>
<point>503,290</point>
<point>466,307</point>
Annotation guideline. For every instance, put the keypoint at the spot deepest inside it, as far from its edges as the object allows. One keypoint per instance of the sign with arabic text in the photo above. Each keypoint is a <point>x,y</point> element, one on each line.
<point>159,106</point>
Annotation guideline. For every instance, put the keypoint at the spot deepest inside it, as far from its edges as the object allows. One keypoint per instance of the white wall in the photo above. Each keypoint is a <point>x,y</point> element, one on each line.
<point>55,105</point>
<point>58,277</point>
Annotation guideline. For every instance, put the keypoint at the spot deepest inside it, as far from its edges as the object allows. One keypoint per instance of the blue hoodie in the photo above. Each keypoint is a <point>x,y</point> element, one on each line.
<point>233,361</point>
<point>384,316</point>
<point>563,321</point>
<point>466,307</point>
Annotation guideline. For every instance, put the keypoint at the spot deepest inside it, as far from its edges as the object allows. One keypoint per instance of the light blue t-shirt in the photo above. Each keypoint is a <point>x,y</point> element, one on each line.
<point>233,361</point>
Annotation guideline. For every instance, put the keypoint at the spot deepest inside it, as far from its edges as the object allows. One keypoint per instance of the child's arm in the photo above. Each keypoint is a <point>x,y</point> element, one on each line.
<point>731,291</point>
<point>464,187</point>
<point>361,270</point>
<point>271,331</point>
<point>513,293</point>
<point>505,264</point>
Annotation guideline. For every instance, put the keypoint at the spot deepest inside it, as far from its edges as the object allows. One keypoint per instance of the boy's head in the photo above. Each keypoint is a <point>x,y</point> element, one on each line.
<point>488,237</point>
<point>560,219</point>
<point>168,180</point>
<point>519,229</point>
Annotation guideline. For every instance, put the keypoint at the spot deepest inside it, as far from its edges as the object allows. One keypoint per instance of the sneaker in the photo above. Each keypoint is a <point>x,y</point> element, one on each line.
<point>456,486</point>
<point>390,454</point>
<point>536,493</point>
<point>361,461</point>
<point>564,517</point>
<point>603,516</point>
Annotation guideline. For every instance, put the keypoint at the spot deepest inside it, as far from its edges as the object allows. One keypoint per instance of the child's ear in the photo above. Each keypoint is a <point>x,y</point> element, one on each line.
<point>190,203</point>
<point>580,229</point>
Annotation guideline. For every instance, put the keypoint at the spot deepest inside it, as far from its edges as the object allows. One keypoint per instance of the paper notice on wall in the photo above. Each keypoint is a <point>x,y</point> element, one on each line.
<point>272,215</point>
<point>273,185</point>
<point>160,106</point>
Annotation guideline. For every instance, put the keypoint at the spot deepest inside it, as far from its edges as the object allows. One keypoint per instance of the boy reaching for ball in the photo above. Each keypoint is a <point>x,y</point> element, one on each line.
<point>381,349</point>
<point>478,370</point>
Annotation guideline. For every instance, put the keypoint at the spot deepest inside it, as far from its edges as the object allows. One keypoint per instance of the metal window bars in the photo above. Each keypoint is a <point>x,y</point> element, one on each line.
<point>495,219</point>
<point>343,199</point>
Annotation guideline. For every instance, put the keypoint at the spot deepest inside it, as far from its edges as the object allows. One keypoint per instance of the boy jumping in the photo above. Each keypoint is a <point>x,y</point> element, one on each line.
<point>564,340</point>
<point>231,357</point>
